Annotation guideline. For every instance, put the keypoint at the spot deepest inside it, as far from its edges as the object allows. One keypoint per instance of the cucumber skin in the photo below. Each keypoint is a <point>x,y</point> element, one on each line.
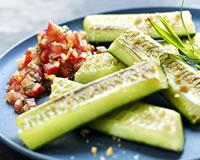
<point>84,76</point>
<point>119,127</point>
<point>106,28</point>
<point>187,105</point>
<point>85,112</point>
<point>113,126</point>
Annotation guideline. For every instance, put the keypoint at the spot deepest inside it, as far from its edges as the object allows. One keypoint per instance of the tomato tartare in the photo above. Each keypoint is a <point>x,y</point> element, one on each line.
<point>59,52</point>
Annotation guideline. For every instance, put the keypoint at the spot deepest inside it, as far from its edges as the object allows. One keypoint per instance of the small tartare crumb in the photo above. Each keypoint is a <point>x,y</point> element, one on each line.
<point>94,150</point>
<point>87,140</point>
<point>184,88</point>
<point>84,132</point>
<point>109,151</point>
<point>177,95</point>
<point>119,145</point>
<point>114,138</point>
<point>118,140</point>
<point>102,158</point>
<point>136,156</point>
<point>123,152</point>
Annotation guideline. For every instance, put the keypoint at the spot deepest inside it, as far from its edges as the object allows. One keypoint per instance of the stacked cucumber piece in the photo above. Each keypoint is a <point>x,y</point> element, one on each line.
<point>106,28</point>
<point>109,84</point>
<point>137,121</point>
<point>97,66</point>
<point>184,81</point>
<point>79,106</point>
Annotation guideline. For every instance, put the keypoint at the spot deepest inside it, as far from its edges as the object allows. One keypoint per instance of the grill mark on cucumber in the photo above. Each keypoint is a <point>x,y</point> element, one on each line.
<point>125,119</point>
<point>184,91</point>
<point>97,66</point>
<point>156,51</point>
<point>106,28</point>
<point>144,123</point>
<point>126,77</point>
<point>184,75</point>
<point>139,42</point>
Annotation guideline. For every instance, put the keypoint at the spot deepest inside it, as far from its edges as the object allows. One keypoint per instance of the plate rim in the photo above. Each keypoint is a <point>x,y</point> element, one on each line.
<point>34,154</point>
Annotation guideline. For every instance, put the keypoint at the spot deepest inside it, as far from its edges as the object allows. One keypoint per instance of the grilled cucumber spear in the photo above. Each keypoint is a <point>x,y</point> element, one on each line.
<point>184,81</point>
<point>82,105</point>
<point>97,66</point>
<point>140,122</point>
<point>106,28</point>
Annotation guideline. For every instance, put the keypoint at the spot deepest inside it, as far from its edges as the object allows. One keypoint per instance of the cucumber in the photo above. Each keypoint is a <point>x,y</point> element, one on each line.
<point>144,123</point>
<point>184,81</point>
<point>107,27</point>
<point>61,86</point>
<point>82,105</point>
<point>134,45</point>
<point>170,47</point>
<point>136,122</point>
<point>97,66</point>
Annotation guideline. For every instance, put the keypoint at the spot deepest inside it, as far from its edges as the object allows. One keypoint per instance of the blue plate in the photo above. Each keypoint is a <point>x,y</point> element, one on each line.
<point>73,145</point>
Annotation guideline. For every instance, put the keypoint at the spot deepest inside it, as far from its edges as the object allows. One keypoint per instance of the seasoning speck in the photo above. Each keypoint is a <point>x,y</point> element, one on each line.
<point>84,132</point>
<point>183,88</point>
<point>109,151</point>
<point>102,158</point>
<point>94,150</point>
<point>118,140</point>
<point>136,157</point>
<point>119,145</point>
<point>177,95</point>
<point>114,138</point>
<point>87,140</point>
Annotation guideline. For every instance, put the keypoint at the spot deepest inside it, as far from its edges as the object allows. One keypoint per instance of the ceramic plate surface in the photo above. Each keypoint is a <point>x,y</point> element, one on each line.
<point>73,145</point>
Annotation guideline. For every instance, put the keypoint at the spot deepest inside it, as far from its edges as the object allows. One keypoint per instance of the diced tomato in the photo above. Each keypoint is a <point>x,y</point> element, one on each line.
<point>43,43</point>
<point>12,96</point>
<point>18,104</point>
<point>37,90</point>
<point>66,73</point>
<point>30,102</point>
<point>58,48</point>
<point>26,59</point>
<point>45,56</point>
<point>59,52</point>
<point>74,38</point>
<point>26,82</point>
<point>73,56</point>
<point>54,32</point>
<point>51,68</point>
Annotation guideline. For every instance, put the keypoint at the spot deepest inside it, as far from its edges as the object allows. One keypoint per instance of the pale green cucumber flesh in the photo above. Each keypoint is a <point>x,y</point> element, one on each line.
<point>65,113</point>
<point>185,101</point>
<point>144,123</point>
<point>134,45</point>
<point>106,28</point>
<point>97,66</point>
<point>62,85</point>
<point>180,76</point>
<point>136,122</point>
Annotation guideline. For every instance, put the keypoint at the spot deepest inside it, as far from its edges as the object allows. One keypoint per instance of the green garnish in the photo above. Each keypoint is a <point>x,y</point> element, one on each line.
<point>185,28</point>
<point>28,87</point>
<point>171,37</point>
<point>188,54</point>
